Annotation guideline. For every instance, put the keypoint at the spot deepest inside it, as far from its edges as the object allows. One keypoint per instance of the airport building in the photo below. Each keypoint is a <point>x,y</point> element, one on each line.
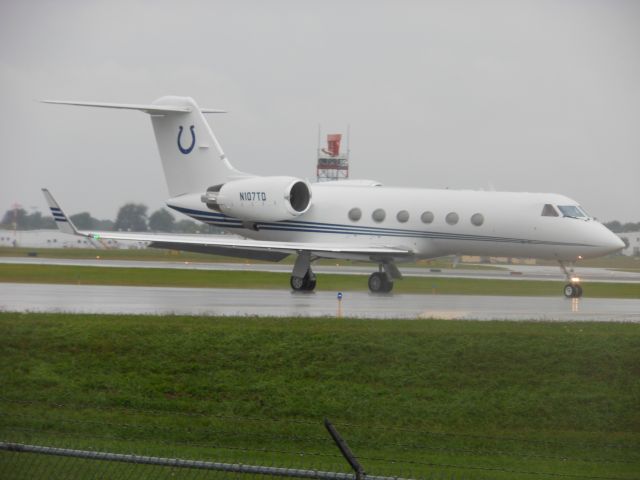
<point>632,242</point>
<point>58,239</point>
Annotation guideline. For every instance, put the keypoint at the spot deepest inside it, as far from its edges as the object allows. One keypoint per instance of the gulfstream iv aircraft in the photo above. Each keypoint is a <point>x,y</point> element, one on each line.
<point>359,220</point>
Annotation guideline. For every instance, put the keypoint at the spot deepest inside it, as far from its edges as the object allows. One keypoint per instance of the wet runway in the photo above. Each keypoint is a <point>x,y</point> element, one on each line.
<point>206,301</point>
<point>505,272</point>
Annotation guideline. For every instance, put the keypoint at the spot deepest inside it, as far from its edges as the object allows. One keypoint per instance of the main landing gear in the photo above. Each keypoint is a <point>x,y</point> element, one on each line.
<point>304,284</point>
<point>382,280</point>
<point>573,288</point>
<point>379,283</point>
<point>303,279</point>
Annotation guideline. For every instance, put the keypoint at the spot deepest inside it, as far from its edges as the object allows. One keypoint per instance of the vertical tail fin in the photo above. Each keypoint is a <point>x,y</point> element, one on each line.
<point>191,156</point>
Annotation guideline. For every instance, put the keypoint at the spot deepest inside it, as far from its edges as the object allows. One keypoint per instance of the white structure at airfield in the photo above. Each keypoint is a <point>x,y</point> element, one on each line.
<point>632,239</point>
<point>58,239</point>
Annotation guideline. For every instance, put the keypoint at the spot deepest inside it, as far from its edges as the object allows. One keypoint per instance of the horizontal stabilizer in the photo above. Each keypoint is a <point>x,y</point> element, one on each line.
<point>150,109</point>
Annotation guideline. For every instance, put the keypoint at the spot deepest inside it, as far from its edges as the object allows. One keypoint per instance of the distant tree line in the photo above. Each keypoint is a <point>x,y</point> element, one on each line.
<point>131,217</point>
<point>618,227</point>
<point>20,219</point>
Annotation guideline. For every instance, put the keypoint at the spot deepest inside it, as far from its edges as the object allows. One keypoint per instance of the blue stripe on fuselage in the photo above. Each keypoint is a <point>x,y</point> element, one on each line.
<point>222,220</point>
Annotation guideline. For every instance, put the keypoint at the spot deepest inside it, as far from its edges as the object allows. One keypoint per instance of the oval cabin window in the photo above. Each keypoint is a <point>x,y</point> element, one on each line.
<point>477,219</point>
<point>452,218</point>
<point>402,216</point>
<point>378,215</point>
<point>355,214</point>
<point>427,217</point>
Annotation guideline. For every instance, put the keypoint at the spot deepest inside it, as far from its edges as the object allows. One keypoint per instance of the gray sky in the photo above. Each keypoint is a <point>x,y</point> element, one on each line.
<point>539,96</point>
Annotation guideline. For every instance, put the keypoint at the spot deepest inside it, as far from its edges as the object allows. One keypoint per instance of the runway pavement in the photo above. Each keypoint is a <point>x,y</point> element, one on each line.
<point>507,272</point>
<point>203,301</point>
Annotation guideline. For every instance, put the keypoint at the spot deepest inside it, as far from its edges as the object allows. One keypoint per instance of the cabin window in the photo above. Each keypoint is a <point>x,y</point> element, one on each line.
<point>402,216</point>
<point>549,211</point>
<point>427,217</point>
<point>378,215</point>
<point>452,218</point>
<point>477,219</point>
<point>355,214</point>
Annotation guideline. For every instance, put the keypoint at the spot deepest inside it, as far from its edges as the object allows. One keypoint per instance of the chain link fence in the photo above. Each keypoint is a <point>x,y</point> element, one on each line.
<point>71,441</point>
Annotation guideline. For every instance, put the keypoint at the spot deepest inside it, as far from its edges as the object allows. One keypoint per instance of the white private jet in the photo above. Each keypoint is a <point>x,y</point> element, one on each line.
<point>349,219</point>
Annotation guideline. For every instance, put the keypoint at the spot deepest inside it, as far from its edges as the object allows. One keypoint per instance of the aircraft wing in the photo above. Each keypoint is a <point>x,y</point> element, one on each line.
<point>214,244</point>
<point>231,246</point>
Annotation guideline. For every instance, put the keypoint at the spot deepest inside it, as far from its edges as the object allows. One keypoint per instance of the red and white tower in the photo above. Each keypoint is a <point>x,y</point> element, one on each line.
<point>333,165</point>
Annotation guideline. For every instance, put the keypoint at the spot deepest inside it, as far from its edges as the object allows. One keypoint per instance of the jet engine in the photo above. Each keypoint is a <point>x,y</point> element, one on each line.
<point>260,199</point>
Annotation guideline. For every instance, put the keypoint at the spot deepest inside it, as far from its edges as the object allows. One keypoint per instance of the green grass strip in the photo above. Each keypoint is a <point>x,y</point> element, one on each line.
<point>331,282</point>
<point>163,255</point>
<point>493,398</point>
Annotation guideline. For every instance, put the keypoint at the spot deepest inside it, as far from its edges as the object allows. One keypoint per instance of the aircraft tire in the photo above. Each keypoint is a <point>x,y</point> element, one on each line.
<point>297,283</point>
<point>572,290</point>
<point>375,282</point>
<point>310,285</point>
<point>306,284</point>
<point>378,283</point>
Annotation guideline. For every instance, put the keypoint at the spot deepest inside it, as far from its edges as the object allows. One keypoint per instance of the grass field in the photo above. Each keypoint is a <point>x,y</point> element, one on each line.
<point>618,262</point>
<point>249,279</point>
<point>615,262</point>
<point>475,400</point>
<point>156,254</point>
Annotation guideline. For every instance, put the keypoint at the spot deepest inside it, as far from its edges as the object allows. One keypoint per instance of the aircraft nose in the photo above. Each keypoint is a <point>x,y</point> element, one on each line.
<point>616,243</point>
<point>612,242</point>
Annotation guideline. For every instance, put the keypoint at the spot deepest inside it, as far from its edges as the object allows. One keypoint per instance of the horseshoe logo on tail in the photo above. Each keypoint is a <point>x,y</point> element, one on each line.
<point>193,140</point>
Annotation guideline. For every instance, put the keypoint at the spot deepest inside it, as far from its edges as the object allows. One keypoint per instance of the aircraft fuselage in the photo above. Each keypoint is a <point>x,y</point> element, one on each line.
<point>429,222</point>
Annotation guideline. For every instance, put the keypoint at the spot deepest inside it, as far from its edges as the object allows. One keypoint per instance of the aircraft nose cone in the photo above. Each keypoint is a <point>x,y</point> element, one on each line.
<point>602,241</point>
<point>616,244</point>
<point>609,241</point>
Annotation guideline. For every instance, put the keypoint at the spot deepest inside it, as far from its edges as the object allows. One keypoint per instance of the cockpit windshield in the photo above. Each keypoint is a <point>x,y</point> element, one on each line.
<point>573,211</point>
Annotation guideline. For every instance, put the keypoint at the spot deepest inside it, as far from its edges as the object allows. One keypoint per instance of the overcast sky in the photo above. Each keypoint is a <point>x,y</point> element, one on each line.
<point>538,96</point>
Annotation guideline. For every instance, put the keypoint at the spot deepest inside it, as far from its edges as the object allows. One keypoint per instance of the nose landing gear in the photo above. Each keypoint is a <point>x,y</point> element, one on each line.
<point>573,288</point>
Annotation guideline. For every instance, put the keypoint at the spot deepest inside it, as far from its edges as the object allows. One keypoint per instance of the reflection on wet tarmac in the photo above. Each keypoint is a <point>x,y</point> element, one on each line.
<point>575,305</point>
<point>209,301</point>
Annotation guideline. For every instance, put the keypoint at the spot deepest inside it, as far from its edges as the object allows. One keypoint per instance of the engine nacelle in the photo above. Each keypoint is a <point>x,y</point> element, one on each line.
<point>261,199</point>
